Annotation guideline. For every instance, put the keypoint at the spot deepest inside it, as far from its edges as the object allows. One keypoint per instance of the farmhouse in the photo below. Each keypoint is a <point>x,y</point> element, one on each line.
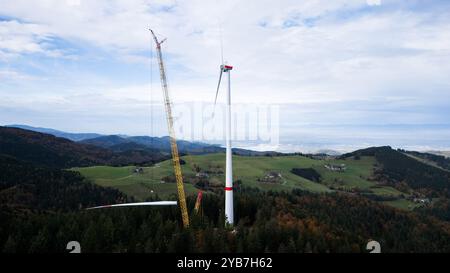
<point>336,168</point>
<point>271,177</point>
<point>421,200</point>
<point>201,175</point>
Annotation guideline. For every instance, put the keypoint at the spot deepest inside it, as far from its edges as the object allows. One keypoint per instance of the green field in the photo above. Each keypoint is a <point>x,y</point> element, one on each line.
<point>248,170</point>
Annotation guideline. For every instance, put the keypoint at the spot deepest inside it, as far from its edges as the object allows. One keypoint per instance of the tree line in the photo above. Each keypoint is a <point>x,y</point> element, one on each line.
<point>266,222</point>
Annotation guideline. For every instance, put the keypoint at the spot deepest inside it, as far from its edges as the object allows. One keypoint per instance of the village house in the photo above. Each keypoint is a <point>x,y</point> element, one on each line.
<point>336,168</point>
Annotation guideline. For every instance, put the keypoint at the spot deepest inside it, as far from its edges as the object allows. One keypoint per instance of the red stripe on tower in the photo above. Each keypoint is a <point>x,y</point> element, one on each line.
<point>228,188</point>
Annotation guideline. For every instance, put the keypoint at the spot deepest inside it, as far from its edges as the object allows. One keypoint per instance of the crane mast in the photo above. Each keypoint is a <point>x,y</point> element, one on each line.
<point>173,142</point>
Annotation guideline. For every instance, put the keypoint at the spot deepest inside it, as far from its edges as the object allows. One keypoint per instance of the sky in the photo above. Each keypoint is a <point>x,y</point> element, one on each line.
<point>338,74</point>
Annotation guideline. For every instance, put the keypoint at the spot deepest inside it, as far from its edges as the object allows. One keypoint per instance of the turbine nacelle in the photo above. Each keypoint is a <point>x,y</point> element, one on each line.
<point>226,68</point>
<point>223,69</point>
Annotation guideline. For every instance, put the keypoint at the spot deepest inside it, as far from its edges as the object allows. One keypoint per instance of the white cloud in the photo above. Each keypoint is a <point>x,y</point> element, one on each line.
<point>17,37</point>
<point>334,51</point>
<point>365,52</point>
<point>9,75</point>
<point>373,2</point>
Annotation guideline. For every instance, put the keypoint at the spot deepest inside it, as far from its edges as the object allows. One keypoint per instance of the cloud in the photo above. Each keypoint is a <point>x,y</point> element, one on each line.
<point>11,75</point>
<point>311,53</point>
<point>19,38</point>
<point>373,2</point>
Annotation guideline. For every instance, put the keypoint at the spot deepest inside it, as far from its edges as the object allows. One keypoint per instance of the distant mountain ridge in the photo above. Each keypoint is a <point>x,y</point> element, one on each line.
<point>57,133</point>
<point>56,152</point>
<point>116,142</point>
<point>105,141</point>
<point>121,143</point>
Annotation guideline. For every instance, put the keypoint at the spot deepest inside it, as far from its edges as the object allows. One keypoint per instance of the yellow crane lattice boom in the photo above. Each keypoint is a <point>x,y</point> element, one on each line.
<point>173,142</point>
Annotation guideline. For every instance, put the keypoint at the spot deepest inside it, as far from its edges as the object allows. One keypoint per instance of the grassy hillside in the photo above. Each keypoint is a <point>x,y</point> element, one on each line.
<point>403,171</point>
<point>249,170</point>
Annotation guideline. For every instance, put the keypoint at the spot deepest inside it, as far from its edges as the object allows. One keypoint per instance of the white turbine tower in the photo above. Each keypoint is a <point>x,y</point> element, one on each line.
<point>229,211</point>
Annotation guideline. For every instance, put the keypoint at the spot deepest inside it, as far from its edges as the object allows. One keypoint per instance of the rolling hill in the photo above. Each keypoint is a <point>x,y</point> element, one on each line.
<point>25,186</point>
<point>402,171</point>
<point>106,141</point>
<point>120,143</point>
<point>155,143</point>
<point>123,142</point>
<point>50,151</point>
<point>435,160</point>
<point>380,174</point>
<point>395,177</point>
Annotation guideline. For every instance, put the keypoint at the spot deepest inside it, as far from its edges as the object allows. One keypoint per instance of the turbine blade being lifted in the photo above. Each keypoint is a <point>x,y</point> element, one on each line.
<point>157,203</point>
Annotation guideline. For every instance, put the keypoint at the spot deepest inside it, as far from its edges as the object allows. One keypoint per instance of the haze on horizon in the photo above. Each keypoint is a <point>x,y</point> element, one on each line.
<point>344,74</point>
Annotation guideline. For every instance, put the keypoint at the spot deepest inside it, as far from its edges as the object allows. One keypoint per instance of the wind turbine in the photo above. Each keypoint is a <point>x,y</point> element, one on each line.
<point>229,210</point>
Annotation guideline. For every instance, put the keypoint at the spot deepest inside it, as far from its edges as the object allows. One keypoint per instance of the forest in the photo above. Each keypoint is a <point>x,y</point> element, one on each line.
<point>269,222</point>
<point>397,168</point>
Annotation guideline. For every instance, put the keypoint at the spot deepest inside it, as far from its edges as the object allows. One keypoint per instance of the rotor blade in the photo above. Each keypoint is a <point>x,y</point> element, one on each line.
<point>218,86</point>
<point>157,203</point>
<point>217,91</point>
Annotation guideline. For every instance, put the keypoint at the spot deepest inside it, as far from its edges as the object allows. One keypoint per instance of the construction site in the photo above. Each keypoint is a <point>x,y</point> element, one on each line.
<point>224,135</point>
